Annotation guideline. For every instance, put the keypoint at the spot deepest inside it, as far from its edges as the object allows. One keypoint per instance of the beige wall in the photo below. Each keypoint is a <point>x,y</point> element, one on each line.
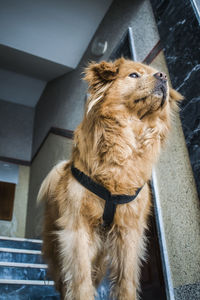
<point>16,227</point>
<point>54,150</point>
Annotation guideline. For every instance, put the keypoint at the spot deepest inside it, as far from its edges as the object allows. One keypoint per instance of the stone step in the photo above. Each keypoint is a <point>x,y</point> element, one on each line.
<point>39,290</point>
<point>18,243</point>
<point>23,275</point>
<point>27,290</point>
<point>20,255</point>
<point>23,271</point>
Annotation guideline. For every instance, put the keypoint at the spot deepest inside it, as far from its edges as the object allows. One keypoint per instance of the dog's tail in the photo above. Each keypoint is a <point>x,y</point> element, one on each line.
<point>49,183</point>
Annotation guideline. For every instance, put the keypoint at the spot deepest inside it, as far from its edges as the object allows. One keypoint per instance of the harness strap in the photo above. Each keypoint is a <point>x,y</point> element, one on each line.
<point>111,200</point>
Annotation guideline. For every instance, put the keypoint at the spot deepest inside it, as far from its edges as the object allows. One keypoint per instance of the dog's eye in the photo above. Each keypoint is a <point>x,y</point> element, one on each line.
<point>134,75</point>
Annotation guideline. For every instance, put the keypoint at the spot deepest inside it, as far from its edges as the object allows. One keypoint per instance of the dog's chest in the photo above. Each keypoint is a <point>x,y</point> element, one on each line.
<point>129,136</point>
<point>139,137</point>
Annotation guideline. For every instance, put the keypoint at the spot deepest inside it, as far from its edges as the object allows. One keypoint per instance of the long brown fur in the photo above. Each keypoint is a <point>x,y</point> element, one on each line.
<point>117,144</point>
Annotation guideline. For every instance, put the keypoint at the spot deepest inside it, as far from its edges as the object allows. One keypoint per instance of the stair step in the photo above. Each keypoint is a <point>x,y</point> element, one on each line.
<point>18,243</point>
<point>23,275</point>
<point>24,265</point>
<point>39,290</point>
<point>20,255</point>
<point>23,271</point>
<point>27,290</point>
<point>26,282</point>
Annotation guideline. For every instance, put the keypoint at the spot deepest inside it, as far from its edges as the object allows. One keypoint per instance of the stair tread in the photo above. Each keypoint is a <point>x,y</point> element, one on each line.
<point>18,244</point>
<point>26,282</point>
<point>23,273</point>
<point>20,239</point>
<point>22,265</point>
<point>20,250</point>
<point>20,257</point>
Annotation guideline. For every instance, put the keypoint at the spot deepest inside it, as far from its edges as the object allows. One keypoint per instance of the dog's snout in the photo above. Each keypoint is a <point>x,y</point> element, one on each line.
<point>160,76</point>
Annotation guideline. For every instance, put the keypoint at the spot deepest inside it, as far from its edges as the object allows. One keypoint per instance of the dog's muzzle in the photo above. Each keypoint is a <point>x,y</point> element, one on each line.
<point>161,86</point>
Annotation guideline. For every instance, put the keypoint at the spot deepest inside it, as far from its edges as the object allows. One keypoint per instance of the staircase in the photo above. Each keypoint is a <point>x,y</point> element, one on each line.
<point>23,274</point>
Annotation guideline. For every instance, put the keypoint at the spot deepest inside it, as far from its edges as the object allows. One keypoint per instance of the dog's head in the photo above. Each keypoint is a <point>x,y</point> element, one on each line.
<point>127,85</point>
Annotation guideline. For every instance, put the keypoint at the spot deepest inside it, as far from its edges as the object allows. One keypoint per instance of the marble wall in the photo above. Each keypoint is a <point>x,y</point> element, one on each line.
<point>180,36</point>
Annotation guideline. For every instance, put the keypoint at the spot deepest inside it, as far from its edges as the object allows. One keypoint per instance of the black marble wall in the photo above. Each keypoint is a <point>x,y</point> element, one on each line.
<point>180,36</point>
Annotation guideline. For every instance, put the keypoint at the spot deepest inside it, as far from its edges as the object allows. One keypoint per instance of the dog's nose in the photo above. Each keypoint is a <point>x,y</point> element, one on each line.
<point>160,76</point>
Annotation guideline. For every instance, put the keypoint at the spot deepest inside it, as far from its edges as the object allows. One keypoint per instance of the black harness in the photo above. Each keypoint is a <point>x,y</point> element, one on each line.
<point>111,200</point>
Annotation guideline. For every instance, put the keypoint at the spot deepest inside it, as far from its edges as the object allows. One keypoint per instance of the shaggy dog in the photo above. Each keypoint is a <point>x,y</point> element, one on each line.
<point>126,121</point>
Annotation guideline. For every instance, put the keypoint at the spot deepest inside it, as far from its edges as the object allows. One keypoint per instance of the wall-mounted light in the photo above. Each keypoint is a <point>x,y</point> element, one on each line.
<point>99,47</point>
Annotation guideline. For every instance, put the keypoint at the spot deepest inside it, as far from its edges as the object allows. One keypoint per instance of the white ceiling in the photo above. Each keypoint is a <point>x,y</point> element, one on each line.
<point>43,39</point>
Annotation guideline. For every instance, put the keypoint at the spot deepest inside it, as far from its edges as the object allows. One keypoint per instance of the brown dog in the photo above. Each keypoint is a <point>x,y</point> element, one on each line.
<point>126,121</point>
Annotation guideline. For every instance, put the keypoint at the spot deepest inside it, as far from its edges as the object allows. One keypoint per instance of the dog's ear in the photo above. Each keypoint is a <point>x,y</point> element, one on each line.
<point>174,95</point>
<point>101,73</point>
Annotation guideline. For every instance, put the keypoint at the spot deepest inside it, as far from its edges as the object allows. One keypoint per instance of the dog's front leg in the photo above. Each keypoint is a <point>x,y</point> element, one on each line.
<point>75,262</point>
<point>125,251</point>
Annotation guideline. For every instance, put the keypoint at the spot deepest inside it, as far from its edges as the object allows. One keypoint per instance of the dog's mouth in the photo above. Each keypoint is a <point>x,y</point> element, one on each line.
<point>140,99</point>
<point>160,90</point>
